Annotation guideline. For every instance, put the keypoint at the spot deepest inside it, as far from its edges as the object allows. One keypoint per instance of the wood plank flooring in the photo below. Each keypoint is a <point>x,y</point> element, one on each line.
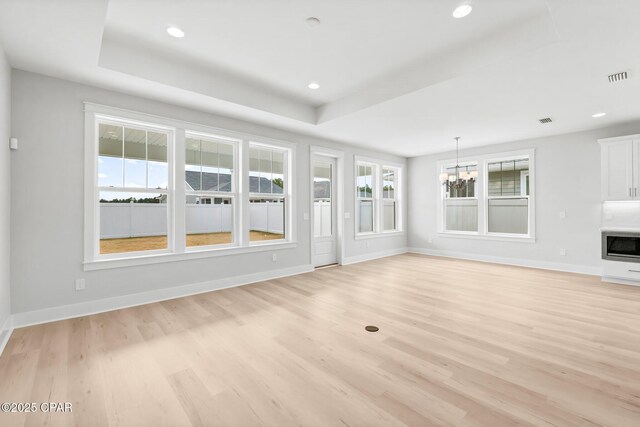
<point>460,344</point>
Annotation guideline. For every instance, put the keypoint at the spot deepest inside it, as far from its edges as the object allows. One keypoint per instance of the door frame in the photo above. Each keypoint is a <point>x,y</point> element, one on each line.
<point>339,198</point>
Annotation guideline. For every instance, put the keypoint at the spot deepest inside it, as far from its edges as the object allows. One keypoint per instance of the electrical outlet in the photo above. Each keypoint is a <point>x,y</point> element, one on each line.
<point>80,285</point>
<point>274,257</point>
<point>367,244</point>
<point>563,214</point>
<point>347,215</point>
<point>430,240</point>
<point>563,251</point>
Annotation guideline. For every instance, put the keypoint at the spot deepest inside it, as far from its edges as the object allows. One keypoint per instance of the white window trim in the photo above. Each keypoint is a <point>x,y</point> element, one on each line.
<point>377,181</point>
<point>177,250</point>
<point>482,190</point>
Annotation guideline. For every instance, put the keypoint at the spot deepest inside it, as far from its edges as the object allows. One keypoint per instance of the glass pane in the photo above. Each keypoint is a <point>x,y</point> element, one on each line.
<point>508,178</point>
<point>364,181</point>
<point>369,182</point>
<point>389,183</point>
<point>132,222</point>
<point>266,170</point>
<point>209,220</point>
<point>158,170</point>
<point>254,170</point>
<point>389,215</point>
<point>225,167</point>
<point>135,153</point>
<point>469,175</point>
<point>360,181</point>
<point>277,185</point>
<point>209,154</point>
<point>267,219</point>
<point>461,215</point>
<point>110,171</point>
<point>322,203</point>
<point>110,162</point>
<point>509,216</point>
<point>193,164</point>
<point>365,216</point>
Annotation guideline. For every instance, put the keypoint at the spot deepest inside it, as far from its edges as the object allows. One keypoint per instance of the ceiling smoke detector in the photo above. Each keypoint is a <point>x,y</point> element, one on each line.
<point>546,120</point>
<point>312,21</point>
<point>618,77</point>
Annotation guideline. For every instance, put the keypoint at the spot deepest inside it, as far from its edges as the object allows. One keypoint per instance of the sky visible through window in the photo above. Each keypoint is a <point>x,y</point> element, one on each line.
<point>111,174</point>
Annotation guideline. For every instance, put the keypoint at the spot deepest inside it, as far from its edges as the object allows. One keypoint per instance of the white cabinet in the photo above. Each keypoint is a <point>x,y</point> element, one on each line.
<point>620,168</point>
<point>621,272</point>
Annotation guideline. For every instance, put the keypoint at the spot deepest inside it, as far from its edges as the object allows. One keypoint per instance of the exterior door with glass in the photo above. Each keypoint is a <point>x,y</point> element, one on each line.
<point>324,209</point>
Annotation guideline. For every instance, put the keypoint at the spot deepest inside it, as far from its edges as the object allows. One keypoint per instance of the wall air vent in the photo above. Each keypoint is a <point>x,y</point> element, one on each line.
<point>546,120</point>
<point>618,77</point>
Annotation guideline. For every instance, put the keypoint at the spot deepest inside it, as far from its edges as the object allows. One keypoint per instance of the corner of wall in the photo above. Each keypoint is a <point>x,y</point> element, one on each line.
<point>5,200</point>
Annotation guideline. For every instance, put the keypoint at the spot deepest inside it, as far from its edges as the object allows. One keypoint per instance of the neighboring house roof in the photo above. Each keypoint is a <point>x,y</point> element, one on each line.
<point>222,182</point>
<point>209,181</point>
<point>256,184</point>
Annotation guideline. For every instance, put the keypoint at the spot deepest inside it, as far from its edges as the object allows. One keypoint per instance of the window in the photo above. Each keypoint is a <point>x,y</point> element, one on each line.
<point>159,189</point>
<point>499,203</point>
<point>508,196</point>
<point>365,197</point>
<point>322,199</point>
<point>133,188</point>
<point>390,205</point>
<point>378,201</point>
<point>267,191</point>
<point>461,204</point>
<point>210,190</point>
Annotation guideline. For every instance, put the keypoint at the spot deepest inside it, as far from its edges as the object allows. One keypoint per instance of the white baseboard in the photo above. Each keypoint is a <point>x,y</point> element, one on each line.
<point>373,255</point>
<point>5,333</point>
<point>52,314</point>
<point>543,265</point>
<point>619,281</point>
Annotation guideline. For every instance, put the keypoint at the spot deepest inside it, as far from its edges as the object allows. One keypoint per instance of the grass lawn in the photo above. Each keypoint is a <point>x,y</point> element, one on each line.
<point>132,244</point>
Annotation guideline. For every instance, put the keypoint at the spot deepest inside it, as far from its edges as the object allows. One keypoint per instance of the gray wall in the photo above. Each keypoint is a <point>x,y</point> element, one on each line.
<point>47,200</point>
<point>567,179</point>
<point>5,183</point>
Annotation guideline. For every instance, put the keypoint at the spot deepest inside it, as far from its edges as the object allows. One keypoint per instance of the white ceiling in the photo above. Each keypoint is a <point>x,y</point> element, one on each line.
<point>401,76</point>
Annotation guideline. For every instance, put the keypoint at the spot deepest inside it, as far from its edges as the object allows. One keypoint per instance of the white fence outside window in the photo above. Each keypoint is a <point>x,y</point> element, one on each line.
<point>121,220</point>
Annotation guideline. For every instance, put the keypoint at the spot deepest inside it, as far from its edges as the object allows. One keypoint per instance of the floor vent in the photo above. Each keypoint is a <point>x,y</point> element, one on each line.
<point>371,328</point>
<point>618,77</point>
<point>546,120</point>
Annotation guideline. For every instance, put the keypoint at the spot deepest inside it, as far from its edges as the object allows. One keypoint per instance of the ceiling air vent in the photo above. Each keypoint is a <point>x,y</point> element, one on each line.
<point>546,120</point>
<point>618,77</point>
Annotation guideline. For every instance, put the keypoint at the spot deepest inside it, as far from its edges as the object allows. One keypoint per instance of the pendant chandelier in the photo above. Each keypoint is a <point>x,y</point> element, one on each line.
<point>462,176</point>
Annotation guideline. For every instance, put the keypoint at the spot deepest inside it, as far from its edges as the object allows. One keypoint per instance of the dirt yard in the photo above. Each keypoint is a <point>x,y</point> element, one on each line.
<point>131,244</point>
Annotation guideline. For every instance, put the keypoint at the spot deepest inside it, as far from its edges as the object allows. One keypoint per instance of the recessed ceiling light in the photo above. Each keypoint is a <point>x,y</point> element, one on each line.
<point>462,11</point>
<point>596,115</point>
<point>313,85</point>
<point>175,32</point>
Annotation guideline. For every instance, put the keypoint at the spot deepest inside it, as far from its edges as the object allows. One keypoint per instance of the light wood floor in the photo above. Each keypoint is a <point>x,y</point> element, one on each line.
<point>460,344</point>
<point>148,243</point>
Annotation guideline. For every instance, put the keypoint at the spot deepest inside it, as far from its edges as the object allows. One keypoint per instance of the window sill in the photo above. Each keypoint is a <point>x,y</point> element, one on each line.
<point>494,237</point>
<point>365,236</point>
<point>104,264</point>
